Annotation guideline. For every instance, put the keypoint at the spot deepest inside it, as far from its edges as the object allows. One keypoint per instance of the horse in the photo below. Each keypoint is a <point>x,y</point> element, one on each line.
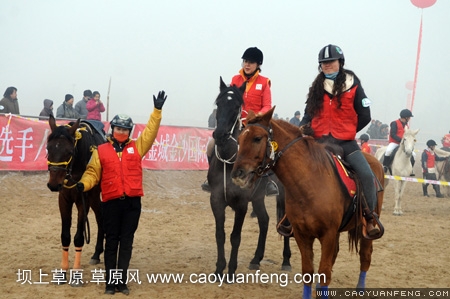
<point>224,193</point>
<point>315,200</point>
<point>69,148</point>
<point>401,165</point>
<point>443,168</point>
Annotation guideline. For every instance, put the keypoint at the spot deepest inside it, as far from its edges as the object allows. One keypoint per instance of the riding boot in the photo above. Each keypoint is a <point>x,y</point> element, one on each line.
<point>205,186</point>
<point>413,161</point>
<point>366,176</point>
<point>387,164</point>
<point>271,188</point>
<point>437,189</point>
<point>425,190</point>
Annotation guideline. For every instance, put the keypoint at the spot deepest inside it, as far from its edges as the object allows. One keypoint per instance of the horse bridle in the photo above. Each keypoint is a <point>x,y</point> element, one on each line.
<point>67,165</point>
<point>238,122</point>
<point>272,155</point>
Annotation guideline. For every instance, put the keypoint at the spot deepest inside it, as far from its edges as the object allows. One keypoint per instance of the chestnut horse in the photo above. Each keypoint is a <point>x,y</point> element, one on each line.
<point>69,149</point>
<point>315,199</point>
<point>224,193</point>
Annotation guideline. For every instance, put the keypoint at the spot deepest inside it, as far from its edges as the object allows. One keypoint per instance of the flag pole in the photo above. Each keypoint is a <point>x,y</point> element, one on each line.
<point>107,100</point>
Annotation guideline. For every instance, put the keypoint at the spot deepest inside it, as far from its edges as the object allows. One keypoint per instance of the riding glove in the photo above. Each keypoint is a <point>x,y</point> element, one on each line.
<point>159,101</point>
<point>80,187</point>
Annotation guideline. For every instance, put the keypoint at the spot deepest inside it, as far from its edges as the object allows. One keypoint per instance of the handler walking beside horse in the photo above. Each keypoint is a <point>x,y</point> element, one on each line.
<point>337,108</point>
<point>118,164</point>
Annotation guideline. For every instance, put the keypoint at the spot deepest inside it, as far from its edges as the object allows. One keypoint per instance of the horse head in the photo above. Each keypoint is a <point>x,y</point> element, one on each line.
<point>409,140</point>
<point>60,153</point>
<point>255,150</point>
<point>229,107</point>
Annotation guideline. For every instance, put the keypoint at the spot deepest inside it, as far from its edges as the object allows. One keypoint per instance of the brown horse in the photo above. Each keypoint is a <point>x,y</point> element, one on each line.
<point>69,149</point>
<point>315,200</point>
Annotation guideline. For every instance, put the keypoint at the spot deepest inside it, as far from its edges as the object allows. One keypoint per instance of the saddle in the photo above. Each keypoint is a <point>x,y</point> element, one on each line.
<point>350,185</point>
<point>97,126</point>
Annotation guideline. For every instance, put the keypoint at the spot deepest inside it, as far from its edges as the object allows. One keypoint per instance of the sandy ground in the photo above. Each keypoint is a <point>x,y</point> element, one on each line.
<point>176,235</point>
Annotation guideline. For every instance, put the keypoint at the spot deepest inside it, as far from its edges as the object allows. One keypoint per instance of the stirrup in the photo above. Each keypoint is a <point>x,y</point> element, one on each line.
<point>206,187</point>
<point>377,222</point>
<point>272,189</point>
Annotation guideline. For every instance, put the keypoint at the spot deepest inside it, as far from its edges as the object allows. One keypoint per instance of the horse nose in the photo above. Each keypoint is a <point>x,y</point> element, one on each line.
<point>54,188</point>
<point>236,173</point>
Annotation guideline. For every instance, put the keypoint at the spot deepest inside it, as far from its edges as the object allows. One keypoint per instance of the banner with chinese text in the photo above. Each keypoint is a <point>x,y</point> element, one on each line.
<point>23,144</point>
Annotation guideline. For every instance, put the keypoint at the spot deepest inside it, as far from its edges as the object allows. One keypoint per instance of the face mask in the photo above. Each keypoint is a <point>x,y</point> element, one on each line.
<point>120,137</point>
<point>331,76</point>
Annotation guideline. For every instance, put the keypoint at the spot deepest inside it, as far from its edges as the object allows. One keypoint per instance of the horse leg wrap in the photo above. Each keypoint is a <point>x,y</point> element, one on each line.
<point>65,258</point>
<point>77,262</point>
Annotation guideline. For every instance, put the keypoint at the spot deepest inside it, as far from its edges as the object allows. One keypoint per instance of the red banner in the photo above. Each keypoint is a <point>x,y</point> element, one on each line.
<point>23,143</point>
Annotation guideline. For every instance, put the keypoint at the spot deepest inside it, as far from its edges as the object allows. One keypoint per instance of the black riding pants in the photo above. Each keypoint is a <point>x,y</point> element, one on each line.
<point>120,221</point>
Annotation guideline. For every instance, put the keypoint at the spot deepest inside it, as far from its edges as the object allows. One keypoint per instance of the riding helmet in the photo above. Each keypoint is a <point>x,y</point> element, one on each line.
<point>122,121</point>
<point>364,137</point>
<point>406,113</point>
<point>331,52</point>
<point>431,143</point>
<point>253,54</point>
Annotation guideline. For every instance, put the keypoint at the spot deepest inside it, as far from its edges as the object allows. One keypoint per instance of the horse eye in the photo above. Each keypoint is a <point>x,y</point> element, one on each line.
<point>257,139</point>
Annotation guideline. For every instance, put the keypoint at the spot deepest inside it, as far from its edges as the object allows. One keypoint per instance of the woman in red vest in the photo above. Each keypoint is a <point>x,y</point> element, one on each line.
<point>118,164</point>
<point>336,109</point>
<point>257,97</point>
<point>429,158</point>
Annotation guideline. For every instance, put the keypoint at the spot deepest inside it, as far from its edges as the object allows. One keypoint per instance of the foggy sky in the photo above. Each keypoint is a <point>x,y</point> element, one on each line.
<point>53,47</point>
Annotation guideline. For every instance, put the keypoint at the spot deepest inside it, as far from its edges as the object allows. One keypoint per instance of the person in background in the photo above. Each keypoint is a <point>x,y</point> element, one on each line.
<point>257,97</point>
<point>65,110</point>
<point>396,133</point>
<point>80,106</point>
<point>117,166</point>
<point>47,110</point>
<point>212,121</point>
<point>336,109</point>
<point>384,131</point>
<point>365,148</point>
<point>10,103</point>
<point>429,158</point>
<point>446,142</point>
<point>95,107</point>
<point>296,119</point>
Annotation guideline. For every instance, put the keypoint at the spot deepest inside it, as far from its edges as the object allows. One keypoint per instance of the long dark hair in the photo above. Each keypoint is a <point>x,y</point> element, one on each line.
<point>314,101</point>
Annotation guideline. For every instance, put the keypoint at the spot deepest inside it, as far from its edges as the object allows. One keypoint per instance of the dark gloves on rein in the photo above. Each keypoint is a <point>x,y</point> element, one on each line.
<point>159,101</point>
<point>80,187</point>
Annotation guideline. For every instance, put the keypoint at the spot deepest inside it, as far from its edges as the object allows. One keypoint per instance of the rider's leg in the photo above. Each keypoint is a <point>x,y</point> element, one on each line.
<point>364,172</point>
<point>387,156</point>
<point>209,153</point>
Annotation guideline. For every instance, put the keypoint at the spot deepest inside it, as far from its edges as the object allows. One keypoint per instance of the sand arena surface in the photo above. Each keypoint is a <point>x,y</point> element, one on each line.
<point>176,234</point>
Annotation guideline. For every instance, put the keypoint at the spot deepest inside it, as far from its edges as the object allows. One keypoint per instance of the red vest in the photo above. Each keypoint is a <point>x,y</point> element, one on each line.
<point>430,159</point>
<point>254,94</point>
<point>400,132</point>
<point>342,122</point>
<point>446,140</point>
<point>365,148</point>
<point>120,176</point>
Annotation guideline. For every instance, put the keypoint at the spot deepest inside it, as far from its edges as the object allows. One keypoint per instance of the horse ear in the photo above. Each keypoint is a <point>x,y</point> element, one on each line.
<point>268,115</point>
<point>52,122</point>
<point>416,131</point>
<point>222,84</point>
<point>74,127</point>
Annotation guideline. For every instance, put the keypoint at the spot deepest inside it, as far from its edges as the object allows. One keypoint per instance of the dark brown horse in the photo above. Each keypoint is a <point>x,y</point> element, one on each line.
<point>69,148</point>
<point>224,193</point>
<point>315,200</point>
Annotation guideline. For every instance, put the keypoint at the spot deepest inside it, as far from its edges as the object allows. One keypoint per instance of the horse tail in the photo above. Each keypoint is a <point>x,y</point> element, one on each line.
<point>353,238</point>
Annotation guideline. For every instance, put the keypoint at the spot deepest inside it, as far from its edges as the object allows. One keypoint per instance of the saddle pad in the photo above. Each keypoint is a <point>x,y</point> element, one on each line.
<point>346,179</point>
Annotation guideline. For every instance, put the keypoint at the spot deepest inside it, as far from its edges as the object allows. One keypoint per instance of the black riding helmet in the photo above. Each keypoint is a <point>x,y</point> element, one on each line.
<point>331,52</point>
<point>364,137</point>
<point>406,113</point>
<point>122,121</point>
<point>253,54</point>
<point>431,143</point>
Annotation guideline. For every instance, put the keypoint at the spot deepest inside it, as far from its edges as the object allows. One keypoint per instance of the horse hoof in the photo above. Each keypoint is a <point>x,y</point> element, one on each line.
<point>397,213</point>
<point>253,266</point>
<point>286,268</point>
<point>94,262</point>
